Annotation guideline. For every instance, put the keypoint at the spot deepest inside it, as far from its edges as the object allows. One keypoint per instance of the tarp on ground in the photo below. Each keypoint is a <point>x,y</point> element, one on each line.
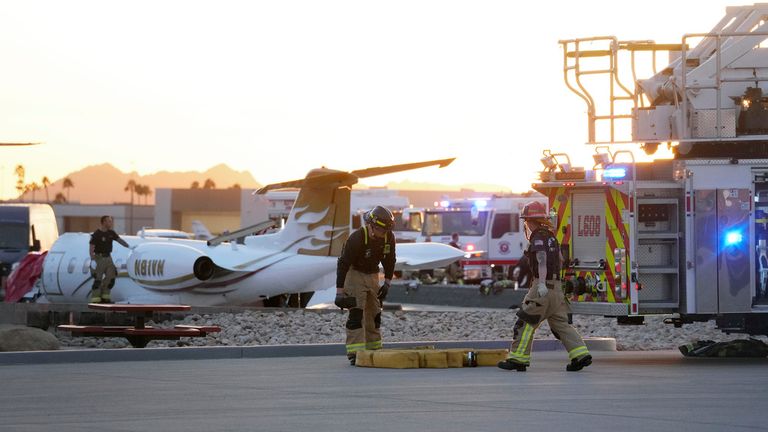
<point>734,348</point>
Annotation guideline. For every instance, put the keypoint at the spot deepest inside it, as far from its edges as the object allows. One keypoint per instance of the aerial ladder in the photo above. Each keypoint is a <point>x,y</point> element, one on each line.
<point>709,100</point>
<point>686,236</point>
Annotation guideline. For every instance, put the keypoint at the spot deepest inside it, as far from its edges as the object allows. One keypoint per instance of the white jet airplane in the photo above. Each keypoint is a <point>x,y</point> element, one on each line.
<point>300,258</point>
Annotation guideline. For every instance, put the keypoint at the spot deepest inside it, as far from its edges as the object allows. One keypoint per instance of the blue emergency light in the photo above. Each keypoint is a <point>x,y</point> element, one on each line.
<point>615,173</point>
<point>733,237</point>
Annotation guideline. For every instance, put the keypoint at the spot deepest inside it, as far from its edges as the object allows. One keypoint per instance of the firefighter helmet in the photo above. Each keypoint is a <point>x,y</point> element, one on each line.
<point>380,216</point>
<point>534,210</point>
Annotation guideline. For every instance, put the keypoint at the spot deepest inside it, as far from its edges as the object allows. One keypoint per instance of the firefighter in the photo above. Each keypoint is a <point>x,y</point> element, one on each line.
<point>545,299</point>
<point>357,279</point>
<point>102,267</point>
<point>454,272</point>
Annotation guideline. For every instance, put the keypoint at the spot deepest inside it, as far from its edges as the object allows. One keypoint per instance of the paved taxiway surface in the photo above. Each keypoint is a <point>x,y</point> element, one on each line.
<point>627,391</point>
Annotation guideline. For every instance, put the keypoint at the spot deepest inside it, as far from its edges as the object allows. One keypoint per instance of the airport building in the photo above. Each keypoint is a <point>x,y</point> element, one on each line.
<point>86,217</point>
<point>228,209</point>
<point>218,209</point>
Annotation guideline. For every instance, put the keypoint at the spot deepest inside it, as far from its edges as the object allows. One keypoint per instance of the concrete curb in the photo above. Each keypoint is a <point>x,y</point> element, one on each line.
<point>264,351</point>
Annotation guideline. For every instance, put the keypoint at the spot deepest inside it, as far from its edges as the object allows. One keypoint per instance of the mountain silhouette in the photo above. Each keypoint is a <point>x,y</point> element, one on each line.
<point>105,184</point>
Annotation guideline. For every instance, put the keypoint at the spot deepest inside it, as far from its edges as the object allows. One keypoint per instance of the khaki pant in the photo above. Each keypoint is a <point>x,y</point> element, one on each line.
<point>364,320</point>
<point>454,272</point>
<point>553,308</point>
<point>103,277</point>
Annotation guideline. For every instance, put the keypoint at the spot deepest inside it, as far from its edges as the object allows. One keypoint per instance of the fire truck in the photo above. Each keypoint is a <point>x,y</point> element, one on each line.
<point>489,231</point>
<point>686,236</point>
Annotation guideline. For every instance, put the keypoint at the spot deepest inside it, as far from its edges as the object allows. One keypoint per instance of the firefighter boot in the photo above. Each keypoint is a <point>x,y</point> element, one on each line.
<point>352,358</point>
<point>510,364</point>
<point>106,297</point>
<point>579,363</point>
<point>95,296</point>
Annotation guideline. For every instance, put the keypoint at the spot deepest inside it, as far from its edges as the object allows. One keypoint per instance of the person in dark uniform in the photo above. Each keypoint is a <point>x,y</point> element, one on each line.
<point>454,272</point>
<point>545,299</point>
<point>357,279</point>
<point>102,267</point>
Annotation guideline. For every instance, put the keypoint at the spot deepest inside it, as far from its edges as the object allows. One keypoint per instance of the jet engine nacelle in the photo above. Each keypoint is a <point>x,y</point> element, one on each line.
<point>169,266</point>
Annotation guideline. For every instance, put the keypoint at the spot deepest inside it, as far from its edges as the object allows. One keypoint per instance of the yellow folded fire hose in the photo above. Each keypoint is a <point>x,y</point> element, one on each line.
<point>428,357</point>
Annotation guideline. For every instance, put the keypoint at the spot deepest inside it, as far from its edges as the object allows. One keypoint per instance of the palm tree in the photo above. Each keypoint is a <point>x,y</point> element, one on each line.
<point>46,183</point>
<point>147,193</point>
<point>59,198</point>
<point>131,187</point>
<point>20,182</point>
<point>195,185</point>
<point>143,191</point>
<point>33,187</point>
<point>140,191</point>
<point>67,184</point>
<point>209,184</point>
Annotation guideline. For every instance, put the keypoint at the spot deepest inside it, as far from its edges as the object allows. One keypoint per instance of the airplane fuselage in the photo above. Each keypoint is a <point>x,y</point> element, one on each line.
<point>161,271</point>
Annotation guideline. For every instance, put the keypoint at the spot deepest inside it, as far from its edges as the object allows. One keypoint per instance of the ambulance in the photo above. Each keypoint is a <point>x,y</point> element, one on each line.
<point>409,222</point>
<point>686,236</point>
<point>489,230</point>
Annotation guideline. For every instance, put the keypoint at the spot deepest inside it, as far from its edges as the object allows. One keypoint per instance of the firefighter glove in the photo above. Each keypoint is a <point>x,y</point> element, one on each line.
<point>383,291</point>
<point>344,301</point>
<point>542,289</point>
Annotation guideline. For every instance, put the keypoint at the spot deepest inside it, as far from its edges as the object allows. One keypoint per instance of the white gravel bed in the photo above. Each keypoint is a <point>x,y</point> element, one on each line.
<point>327,326</point>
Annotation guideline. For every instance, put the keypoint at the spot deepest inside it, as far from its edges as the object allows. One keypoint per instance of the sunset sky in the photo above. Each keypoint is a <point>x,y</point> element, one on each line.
<point>280,87</point>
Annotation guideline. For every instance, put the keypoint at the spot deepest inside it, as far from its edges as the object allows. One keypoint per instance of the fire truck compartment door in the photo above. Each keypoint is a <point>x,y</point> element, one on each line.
<point>588,225</point>
<point>722,241</point>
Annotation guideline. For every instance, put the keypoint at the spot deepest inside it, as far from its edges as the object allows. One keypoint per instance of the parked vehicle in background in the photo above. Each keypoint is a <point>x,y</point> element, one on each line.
<point>489,231</point>
<point>24,228</point>
<point>408,224</point>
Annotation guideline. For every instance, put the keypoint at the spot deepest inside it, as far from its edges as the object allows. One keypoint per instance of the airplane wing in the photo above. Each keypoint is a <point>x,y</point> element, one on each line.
<point>417,256</point>
<point>18,144</point>
<point>326,176</point>
<point>376,171</point>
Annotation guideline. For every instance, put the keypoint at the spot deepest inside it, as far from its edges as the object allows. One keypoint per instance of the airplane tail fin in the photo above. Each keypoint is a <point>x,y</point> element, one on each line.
<point>201,231</point>
<point>319,221</point>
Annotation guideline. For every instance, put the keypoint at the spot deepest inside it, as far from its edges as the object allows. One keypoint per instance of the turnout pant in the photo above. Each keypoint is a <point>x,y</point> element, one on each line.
<point>553,308</point>
<point>364,320</point>
<point>103,278</point>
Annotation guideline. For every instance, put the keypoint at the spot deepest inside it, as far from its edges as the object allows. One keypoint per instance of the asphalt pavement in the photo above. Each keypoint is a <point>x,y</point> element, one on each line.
<point>621,391</point>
